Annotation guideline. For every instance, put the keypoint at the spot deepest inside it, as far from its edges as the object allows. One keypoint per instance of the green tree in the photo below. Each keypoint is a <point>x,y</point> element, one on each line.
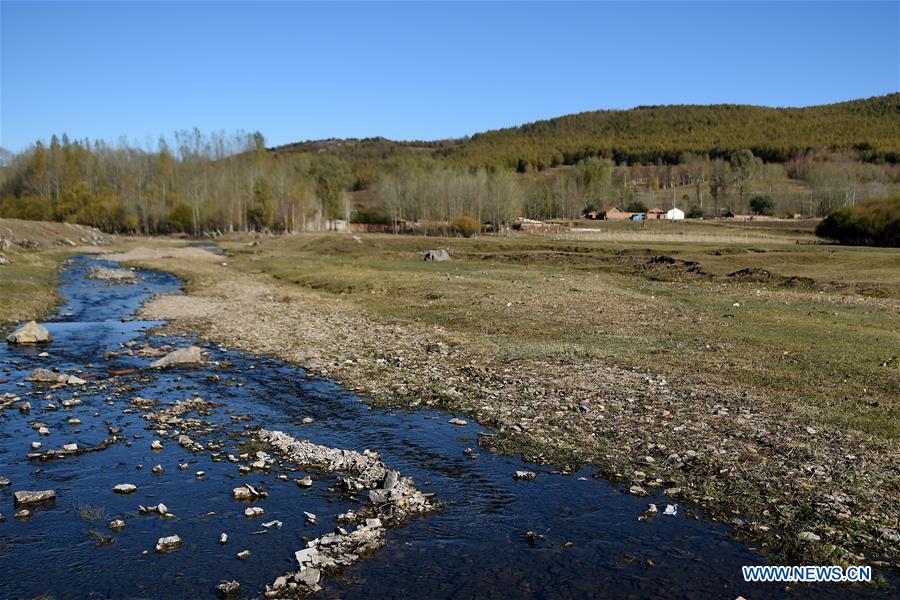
<point>762,205</point>
<point>744,166</point>
<point>181,218</point>
<point>259,213</point>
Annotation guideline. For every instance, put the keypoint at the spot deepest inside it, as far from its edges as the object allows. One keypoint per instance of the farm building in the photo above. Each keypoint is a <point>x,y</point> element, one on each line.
<point>655,213</point>
<point>614,214</point>
<point>675,214</point>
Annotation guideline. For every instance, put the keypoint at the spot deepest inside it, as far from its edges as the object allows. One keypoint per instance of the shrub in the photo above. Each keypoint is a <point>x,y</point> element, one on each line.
<point>371,216</point>
<point>636,206</point>
<point>762,205</point>
<point>872,223</point>
<point>694,213</point>
<point>464,225</point>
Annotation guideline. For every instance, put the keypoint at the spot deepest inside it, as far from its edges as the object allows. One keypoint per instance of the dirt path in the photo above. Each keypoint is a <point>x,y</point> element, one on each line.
<point>808,493</point>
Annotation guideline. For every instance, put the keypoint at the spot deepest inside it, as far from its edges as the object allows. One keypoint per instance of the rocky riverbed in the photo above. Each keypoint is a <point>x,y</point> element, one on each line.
<point>248,476</point>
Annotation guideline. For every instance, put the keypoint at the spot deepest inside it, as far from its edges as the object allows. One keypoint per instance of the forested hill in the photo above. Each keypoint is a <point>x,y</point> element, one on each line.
<point>651,134</point>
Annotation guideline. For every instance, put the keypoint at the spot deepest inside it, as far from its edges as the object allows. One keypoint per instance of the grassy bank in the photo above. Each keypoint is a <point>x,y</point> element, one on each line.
<point>36,251</point>
<point>815,326</point>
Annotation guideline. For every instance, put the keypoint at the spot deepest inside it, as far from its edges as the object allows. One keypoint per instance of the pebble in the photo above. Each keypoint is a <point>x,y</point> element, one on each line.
<point>156,445</point>
<point>243,554</point>
<point>637,490</point>
<point>310,518</point>
<point>524,475</point>
<point>254,511</point>
<point>117,524</point>
<point>158,469</point>
<point>4,481</point>
<point>74,421</point>
<point>223,539</point>
<point>70,447</point>
<point>308,420</point>
<point>808,536</point>
<point>125,488</point>
<point>305,481</point>
<point>460,422</point>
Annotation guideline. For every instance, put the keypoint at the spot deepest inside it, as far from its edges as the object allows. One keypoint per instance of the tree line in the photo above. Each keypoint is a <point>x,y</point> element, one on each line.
<point>198,183</point>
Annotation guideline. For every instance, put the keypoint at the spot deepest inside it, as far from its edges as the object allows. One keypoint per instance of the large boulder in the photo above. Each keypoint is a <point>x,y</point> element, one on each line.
<point>191,355</point>
<point>30,333</point>
<point>437,255</point>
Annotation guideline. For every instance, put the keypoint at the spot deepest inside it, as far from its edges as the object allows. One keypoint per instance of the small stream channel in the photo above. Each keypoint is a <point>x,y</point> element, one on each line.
<point>589,540</point>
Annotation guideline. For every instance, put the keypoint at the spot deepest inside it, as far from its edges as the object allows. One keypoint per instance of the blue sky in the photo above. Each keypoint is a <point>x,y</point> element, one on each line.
<point>298,71</point>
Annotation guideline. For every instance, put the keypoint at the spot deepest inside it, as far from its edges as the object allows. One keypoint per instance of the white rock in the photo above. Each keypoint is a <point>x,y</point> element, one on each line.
<point>242,493</point>
<point>167,544</point>
<point>31,497</point>
<point>30,333</point>
<point>191,355</point>
<point>125,488</point>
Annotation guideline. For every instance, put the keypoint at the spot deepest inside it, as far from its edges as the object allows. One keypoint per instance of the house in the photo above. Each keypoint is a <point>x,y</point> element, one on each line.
<point>656,213</point>
<point>675,214</point>
<point>614,214</point>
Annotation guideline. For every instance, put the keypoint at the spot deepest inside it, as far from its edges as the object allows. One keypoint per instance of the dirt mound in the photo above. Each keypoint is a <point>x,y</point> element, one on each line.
<point>37,234</point>
<point>752,274</point>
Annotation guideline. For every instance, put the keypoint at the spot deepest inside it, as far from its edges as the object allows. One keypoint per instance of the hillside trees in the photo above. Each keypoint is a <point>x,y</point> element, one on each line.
<point>719,182</point>
<point>744,167</point>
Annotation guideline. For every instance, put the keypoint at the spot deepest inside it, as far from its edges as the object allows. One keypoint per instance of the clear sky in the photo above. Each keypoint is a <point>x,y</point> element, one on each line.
<point>298,71</point>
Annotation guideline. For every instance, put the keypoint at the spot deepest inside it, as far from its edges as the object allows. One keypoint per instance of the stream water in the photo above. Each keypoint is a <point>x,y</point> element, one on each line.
<point>589,543</point>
